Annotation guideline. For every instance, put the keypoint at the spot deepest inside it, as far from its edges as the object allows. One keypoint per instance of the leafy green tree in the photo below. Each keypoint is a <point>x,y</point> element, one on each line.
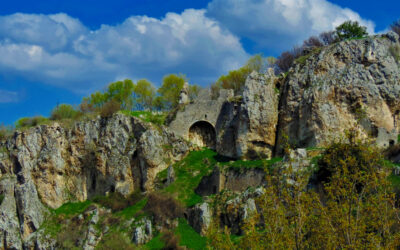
<point>158,103</point>
<point>64,111</point>
<point>194,91</point>
<point>170,89</point>
<point>350,29</point>
<point>145,94</point>
<point>236,79</point>
<point>121,92</point>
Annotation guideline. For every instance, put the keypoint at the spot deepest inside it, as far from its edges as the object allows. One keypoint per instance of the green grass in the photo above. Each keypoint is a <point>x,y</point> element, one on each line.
<point>395,180</point>
<point>188,174</point>
<point>131,211</point>
<point>147,116</point>
<point>261,164</point>
<point>155,243</point>
<point>73,208</point>
<point>188,237</point>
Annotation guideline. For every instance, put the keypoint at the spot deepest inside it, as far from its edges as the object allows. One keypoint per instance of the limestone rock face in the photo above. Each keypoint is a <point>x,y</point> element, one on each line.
<point>247,127</point>
<point>199,217</point>
<point>352,84</point>
<point>50,165</point>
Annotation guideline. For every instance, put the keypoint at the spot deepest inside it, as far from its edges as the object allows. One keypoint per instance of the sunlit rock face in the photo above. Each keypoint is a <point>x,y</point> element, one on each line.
<point>354,84</point>
<point>49,165</point>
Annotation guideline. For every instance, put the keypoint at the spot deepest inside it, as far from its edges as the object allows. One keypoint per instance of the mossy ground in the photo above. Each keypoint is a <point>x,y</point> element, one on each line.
<point>147,116</point>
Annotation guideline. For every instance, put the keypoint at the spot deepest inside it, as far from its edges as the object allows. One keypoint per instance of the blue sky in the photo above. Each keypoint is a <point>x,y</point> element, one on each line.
<point>56,51</point>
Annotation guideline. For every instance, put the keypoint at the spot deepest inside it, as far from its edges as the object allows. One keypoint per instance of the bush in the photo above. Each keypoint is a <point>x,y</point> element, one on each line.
<point>171,241</point>
<point>313,42</point>
<point>163,207</point>
<point>350,30</point>
<point>27,122</point>
<point>285,61</point>
<point>64,111</point>
<point>109,109</point>
<point>328,37</point>
<point>396,27</point>
<point>116,201</point>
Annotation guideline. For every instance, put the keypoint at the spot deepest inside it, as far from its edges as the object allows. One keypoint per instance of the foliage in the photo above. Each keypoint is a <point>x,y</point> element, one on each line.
<point>395,26</point>
<point>72,208</point>
<point>145,93</point>
<point>64,111</point>
<point>115,241</point>
<point>328,37</point>
<point>352,207</point>
<point>155,243</point>
<point>117,202</point>
<point>313,42</point>
<point>236,79</point>
<point>262,164</point>
<point>170,90</point>
<point>27,122</point>
<point>1,198</point>
<point>120,92</point>
<point>110,108</point>
<point>350,30</point>
<point>189,237</point>
<point>163,207</point>
<point>188,174</point>
<point>157,118</point>
<point>171,241</point>
<point>194,91</point>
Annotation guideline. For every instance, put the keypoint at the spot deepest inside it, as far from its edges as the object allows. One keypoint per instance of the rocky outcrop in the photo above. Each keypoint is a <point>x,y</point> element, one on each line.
<point>230,178</point>
<point>352,84</point>
<point>246,126</point>
<point>143,232</point>
<point>49,165</point>
<point>199,217</point>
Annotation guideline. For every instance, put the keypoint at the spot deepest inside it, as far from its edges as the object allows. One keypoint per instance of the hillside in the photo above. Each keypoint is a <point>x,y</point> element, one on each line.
<point>270,160</point>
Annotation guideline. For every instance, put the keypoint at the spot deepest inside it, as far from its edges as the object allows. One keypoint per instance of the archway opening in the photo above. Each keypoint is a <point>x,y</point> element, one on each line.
<point>202,133</point>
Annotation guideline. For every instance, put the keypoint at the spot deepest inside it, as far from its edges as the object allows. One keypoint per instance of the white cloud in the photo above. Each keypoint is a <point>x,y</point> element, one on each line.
<point>279,24</point>
<point>59,50</point>
<point>8,96</point>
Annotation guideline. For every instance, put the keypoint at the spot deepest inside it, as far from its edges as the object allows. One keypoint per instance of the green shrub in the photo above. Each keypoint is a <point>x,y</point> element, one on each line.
<point>110,108</point>
<point>116,201</point>
<point>27,122</point>
<point>64,111</point>
<point>163,207</point>
<point>350,30</point>
<point>1,198</point>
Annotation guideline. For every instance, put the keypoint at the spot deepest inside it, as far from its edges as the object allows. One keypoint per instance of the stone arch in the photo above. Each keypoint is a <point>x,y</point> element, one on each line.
<point>203,134</point>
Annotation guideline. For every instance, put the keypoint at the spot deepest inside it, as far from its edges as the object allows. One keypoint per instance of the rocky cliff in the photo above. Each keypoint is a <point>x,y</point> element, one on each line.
<point>352,84</point>
<point>49,165</point>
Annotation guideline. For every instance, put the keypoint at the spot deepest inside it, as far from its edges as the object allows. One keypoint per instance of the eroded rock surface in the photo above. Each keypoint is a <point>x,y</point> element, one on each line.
<point>49,165</point>
<point>352,84</point>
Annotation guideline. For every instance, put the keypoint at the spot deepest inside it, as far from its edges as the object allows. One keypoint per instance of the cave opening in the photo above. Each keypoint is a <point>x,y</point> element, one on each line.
<point>203,134</point>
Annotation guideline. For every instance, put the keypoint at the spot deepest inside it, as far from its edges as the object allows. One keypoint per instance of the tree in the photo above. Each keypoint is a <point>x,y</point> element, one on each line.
<point>121,92</point>
<point>171,88</point>
<point>64,111</point>
<point>193,91</point>
<point>349,30</point>
<point>145,93</point>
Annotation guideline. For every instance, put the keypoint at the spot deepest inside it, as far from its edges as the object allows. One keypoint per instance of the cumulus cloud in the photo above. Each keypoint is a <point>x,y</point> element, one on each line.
<point>279,24</point>
<point>8,96</point>
<point>60,50</point>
